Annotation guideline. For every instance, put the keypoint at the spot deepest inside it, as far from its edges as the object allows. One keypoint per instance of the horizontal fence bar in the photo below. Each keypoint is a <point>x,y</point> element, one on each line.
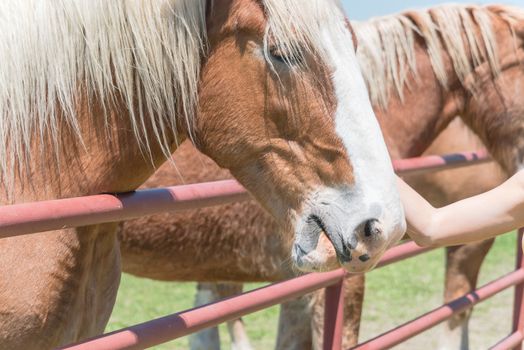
<point>421,165</point>
<point>440,314</point>
<point>402,252</point>
<point>184,323</point>
<point>42,216</point>
<point>26,218</point>
<point>510,342</point>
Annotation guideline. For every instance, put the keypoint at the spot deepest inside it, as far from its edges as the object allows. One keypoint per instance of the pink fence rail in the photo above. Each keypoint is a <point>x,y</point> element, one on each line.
<point>57,214</point>
<point>50,215</point>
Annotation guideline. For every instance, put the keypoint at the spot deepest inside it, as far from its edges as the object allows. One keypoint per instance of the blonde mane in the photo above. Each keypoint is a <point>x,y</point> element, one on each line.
<point>145,53</point>
<point>387,45</point>
<point>140,52</point>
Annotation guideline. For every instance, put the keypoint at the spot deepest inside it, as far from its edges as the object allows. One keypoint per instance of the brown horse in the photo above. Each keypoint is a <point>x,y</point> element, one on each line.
<point>96,94</point>
<point>440,75</point>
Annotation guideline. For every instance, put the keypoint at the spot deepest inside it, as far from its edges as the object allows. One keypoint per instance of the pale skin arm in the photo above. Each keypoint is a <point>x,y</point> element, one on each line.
<point>473,219</point>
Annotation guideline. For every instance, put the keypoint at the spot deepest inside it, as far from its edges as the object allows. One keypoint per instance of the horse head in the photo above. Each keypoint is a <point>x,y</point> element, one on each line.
<point>284,107</point>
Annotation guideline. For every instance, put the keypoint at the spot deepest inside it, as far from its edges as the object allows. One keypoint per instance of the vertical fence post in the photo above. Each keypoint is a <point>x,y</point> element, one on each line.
<point>334,316</point>
<point>518,305</point>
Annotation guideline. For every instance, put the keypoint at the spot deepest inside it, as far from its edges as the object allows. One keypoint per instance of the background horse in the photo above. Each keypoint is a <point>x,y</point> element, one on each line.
<point>430,76</point>
<point>96,94</point>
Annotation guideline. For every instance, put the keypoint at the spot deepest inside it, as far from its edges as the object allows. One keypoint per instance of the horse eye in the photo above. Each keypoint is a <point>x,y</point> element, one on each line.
<point>280,56</point>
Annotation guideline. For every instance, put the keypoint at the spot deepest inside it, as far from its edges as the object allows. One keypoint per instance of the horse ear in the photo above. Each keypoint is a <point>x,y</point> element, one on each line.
<point>353,34</point>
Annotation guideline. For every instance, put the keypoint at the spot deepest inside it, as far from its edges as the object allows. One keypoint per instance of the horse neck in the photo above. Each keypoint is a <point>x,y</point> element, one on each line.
<point>109,158</point>
<point>410,124</point>
<point>495,110</point>
<point>496,113</point>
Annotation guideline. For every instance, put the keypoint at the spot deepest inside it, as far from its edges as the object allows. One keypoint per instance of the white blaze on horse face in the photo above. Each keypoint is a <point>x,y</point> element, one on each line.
<point>374,195</point>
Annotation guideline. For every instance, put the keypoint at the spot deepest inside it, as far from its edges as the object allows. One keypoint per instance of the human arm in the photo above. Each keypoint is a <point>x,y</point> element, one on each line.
<point>473,219</point>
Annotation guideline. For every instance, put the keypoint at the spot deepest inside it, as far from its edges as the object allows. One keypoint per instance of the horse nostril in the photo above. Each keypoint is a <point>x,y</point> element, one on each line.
<point>371,228</point>
<point>364,258</point>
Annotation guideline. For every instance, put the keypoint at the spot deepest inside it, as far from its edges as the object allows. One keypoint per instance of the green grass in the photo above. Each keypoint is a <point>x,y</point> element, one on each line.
<point>401,292</point>
<point>394,294</point>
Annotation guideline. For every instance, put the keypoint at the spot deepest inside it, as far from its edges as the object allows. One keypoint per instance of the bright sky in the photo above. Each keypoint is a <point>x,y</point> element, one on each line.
<point>361,10</point>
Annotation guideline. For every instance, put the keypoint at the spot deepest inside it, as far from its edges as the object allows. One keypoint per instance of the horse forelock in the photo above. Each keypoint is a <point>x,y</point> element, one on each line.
<point>464,32</point>
<point>144,53</point>
<point>296,26</point>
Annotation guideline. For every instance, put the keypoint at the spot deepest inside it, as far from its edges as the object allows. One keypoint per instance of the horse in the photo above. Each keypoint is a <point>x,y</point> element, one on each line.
<point>424,84</point>
<point>95,95</point>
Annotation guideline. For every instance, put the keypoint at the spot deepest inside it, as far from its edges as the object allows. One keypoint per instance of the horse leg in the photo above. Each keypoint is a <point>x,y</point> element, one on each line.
<point>462,269</point>
<point>57,287</point>
<point>294,325</point>
<point>207,339</point>
<point>210,338</point>
<point>354,287</point>
<point>236,328</point>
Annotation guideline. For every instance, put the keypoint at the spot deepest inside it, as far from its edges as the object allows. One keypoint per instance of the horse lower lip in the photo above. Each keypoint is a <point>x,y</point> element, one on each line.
<point>344,257</point>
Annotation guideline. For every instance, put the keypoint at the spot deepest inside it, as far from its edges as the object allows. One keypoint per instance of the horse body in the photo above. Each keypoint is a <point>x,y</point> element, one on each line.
<point>96,94</point>
<point>413,106</point>
<point>60,286</point>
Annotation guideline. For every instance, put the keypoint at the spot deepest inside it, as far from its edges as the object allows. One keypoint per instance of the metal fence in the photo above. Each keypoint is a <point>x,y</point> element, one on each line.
<point>57,214</point>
